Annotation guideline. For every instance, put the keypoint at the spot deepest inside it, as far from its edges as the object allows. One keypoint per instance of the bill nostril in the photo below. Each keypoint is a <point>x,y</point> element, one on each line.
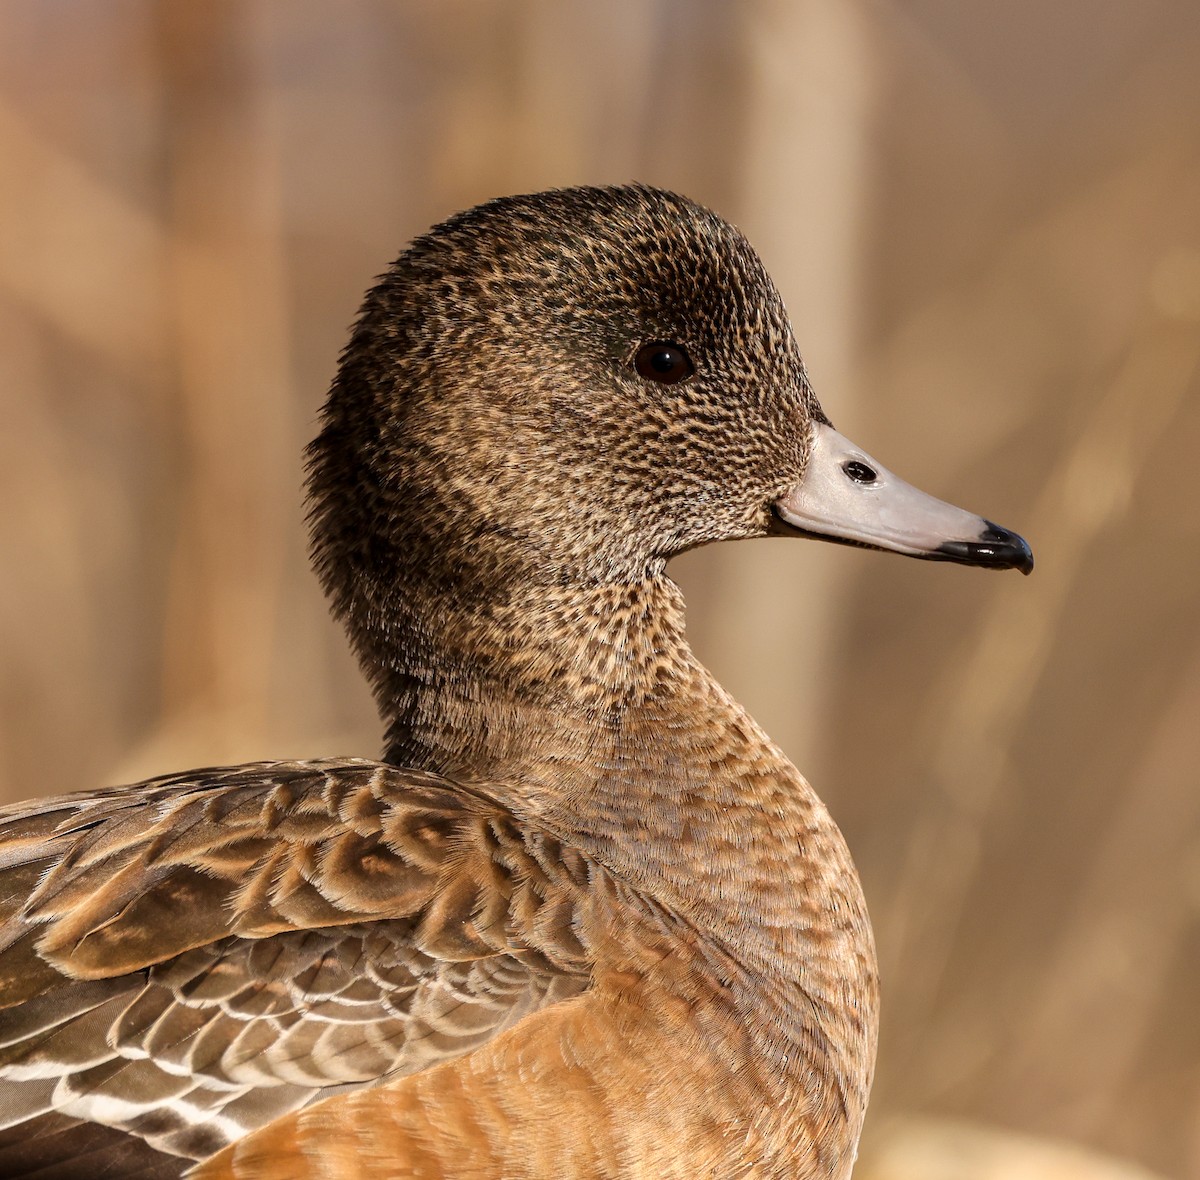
<point>859,472</point>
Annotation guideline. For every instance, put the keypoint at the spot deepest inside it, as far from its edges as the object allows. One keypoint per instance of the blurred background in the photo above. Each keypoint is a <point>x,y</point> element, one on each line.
<point>985,219</point>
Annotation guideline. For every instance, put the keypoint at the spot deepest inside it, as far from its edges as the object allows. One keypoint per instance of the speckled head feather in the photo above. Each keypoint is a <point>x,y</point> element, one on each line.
<point>496,357</point>
<point>488,432</point>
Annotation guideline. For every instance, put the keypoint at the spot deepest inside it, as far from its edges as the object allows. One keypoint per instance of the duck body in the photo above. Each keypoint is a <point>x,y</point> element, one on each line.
<point>584,919</point>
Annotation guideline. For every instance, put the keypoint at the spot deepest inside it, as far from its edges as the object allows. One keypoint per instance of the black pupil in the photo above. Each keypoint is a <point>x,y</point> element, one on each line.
<point>663,362</point>
<point>859,472</point>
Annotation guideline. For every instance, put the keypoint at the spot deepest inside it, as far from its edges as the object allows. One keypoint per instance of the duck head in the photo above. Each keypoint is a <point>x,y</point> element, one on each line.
<point>569,388</point>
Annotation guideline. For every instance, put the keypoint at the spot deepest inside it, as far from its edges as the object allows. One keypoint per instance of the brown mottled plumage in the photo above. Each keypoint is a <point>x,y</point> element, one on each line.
<point>584,920</point>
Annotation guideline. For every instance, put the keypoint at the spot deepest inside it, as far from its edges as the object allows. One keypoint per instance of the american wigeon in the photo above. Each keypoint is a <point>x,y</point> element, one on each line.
<point>583,919</point>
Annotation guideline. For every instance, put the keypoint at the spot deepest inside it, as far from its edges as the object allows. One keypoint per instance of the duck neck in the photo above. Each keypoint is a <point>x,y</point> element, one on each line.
<point>486,688</point>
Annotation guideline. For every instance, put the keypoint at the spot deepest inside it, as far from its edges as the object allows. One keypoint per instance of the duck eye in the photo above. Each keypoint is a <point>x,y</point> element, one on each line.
<point>859,472</point>
<point>665,363</point>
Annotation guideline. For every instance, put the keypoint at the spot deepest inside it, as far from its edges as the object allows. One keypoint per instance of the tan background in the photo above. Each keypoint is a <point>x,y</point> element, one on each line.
<point>986,221</point>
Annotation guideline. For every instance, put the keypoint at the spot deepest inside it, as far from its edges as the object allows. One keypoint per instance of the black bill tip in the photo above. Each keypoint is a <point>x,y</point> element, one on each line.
<point>996,548</point>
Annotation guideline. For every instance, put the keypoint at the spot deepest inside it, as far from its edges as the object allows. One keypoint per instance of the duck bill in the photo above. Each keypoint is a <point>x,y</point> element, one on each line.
<point>847,496</point>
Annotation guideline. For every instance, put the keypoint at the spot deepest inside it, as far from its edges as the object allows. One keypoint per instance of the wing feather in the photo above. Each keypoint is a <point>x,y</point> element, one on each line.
<point>184,960</point>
